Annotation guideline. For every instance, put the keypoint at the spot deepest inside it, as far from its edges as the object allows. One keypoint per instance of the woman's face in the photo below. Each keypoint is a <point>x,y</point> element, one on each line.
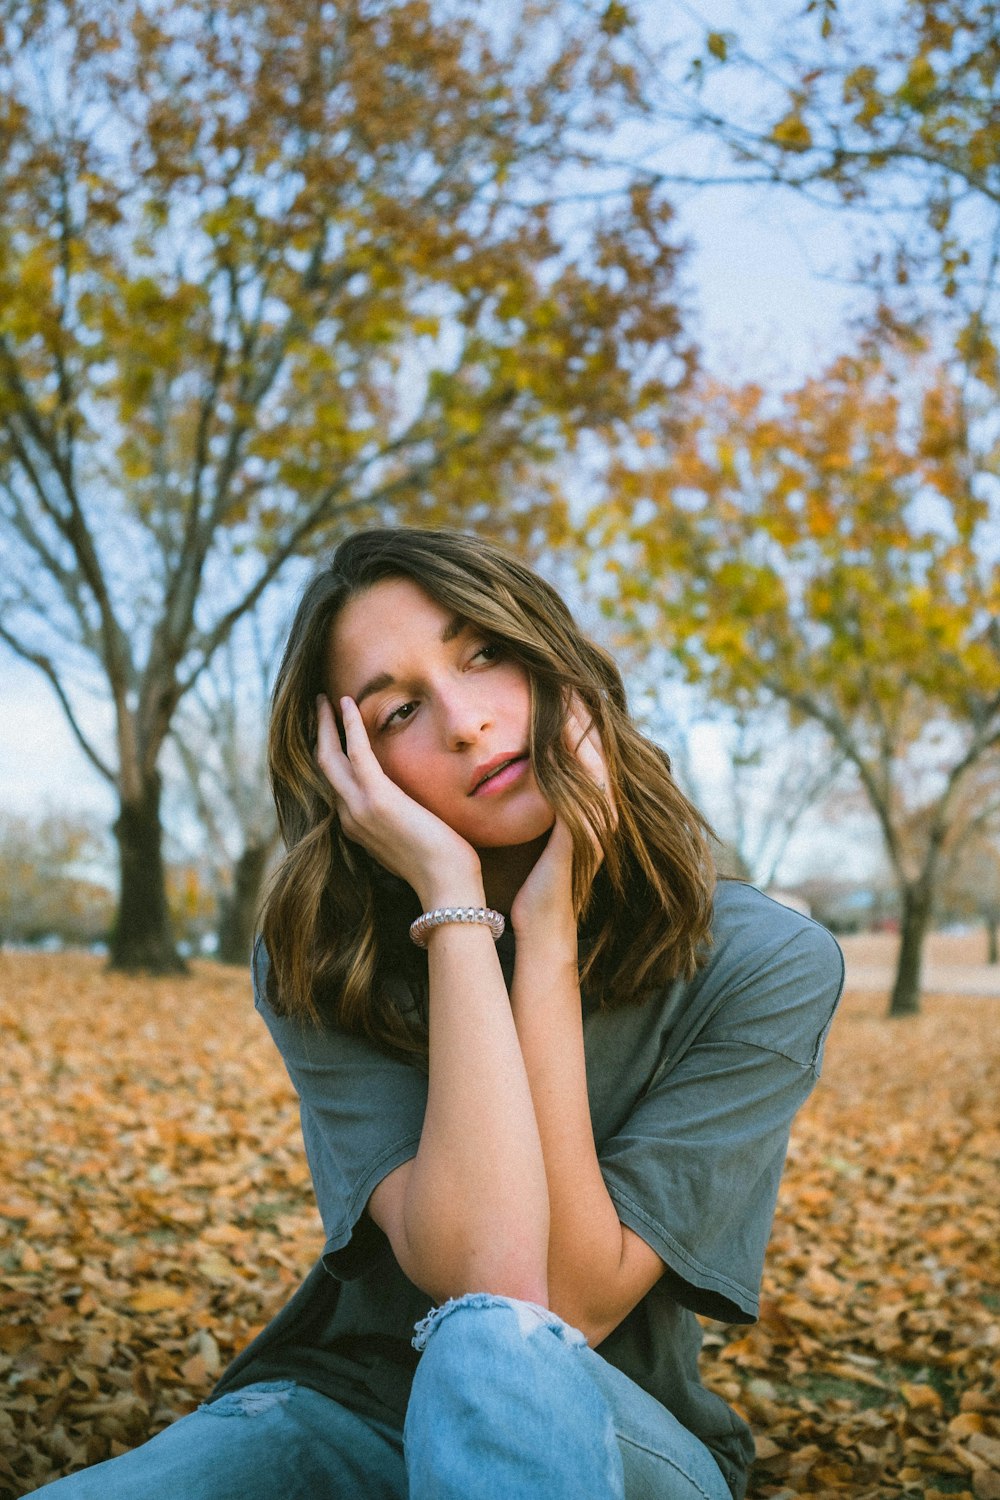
<point>447,713</point>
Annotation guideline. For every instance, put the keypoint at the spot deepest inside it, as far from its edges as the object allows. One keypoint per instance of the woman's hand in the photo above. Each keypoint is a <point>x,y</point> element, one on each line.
<point>545,901</point>
<point>374,812</point>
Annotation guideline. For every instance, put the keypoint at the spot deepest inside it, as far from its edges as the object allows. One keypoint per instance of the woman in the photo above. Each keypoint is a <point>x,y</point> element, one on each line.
<point>547,1066</point>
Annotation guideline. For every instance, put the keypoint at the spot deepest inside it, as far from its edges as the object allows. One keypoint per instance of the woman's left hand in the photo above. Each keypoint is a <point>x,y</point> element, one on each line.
<point>545,901</point>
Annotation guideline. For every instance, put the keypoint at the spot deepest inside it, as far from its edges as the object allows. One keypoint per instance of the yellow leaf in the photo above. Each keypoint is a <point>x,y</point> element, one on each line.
<point>920,1397</point>
<point>158,1297</point>
<point>792,133</point>
<point>215,1267</point>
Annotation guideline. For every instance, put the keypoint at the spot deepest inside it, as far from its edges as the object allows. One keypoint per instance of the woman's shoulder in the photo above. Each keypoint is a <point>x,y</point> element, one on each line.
<point>753,933</point>
<point>321,1034</point>
<point>743,913</point>
<point>772,972</point>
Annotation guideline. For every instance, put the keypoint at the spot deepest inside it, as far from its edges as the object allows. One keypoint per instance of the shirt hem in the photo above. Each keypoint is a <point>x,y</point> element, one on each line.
<point>337,1248</point>
<point>682,1263</point>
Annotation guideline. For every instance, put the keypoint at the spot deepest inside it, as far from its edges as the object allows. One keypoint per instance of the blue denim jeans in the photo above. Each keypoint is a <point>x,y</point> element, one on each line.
<point>508,1402</point>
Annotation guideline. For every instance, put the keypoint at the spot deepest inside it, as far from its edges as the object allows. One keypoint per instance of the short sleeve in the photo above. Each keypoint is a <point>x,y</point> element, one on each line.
<point>695,1168</point>
<point>362,1112</point>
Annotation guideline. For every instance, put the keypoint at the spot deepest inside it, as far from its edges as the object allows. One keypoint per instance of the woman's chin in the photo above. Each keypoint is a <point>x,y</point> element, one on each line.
<point>519,836</point>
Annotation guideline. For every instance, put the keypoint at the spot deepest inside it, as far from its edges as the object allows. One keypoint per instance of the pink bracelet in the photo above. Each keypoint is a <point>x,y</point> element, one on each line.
<point>485,916</point>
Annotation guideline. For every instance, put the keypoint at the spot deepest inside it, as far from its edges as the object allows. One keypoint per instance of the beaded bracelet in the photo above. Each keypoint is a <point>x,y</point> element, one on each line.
<point>428,920</point>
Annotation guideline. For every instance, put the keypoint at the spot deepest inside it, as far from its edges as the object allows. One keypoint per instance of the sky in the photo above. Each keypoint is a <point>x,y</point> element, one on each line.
<point>763,305</point>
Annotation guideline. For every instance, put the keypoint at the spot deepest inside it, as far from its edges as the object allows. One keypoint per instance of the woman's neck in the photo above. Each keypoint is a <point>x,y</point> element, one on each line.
<point>505,871</point>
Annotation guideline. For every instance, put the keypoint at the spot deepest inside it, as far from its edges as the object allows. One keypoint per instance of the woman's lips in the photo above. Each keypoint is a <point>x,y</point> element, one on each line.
<point>502,779</point>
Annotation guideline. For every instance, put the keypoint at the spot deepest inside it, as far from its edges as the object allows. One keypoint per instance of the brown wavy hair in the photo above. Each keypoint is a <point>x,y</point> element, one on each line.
<point>335,924</point>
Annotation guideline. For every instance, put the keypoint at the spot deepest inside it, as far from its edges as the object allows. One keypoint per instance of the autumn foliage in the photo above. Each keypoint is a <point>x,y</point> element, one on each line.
<point>156,1211</point>
<point>268,272</point>
<point>832,551</point>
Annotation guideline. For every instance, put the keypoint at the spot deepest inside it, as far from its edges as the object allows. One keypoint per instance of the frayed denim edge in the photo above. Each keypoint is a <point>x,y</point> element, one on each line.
<point>530,1317</point>
<point>251,1400</point>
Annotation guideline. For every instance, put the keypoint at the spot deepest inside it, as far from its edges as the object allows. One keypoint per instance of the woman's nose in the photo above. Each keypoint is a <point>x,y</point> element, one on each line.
<point>466,717</point>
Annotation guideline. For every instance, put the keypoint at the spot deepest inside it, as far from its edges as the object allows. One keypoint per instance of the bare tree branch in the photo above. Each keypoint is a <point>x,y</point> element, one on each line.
<point>47,667</point>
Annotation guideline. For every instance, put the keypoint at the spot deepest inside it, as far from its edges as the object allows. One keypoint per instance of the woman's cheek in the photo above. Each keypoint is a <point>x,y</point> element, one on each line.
<point>407,769</point>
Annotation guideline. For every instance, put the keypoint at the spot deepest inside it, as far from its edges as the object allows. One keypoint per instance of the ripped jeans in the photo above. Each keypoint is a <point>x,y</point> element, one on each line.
<point>508,1403</point>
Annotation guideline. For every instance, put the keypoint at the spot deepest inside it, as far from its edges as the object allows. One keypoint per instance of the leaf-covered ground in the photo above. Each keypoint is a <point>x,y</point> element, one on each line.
<point>155,1210</point>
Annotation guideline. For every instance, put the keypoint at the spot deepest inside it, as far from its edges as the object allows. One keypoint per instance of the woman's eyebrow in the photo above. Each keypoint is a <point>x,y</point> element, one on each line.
<point>453,627</point>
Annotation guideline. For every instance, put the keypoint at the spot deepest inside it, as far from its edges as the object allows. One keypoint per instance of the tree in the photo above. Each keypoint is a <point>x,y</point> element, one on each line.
<point>265,272</point>
<point>834,555</point>
<point>754,775</point>
<point>890,113</point>
<point>972,888</point>
<point>970,876</point>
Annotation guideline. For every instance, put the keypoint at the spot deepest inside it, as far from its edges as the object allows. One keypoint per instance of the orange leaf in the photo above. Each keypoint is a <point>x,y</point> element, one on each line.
<point>159,1297</point>
<point>921,1397</point>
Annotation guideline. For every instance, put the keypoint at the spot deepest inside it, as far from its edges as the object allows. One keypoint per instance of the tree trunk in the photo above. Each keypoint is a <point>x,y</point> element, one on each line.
<point>992,928</point>
<point>239,910</point>
<point>141,938</point>
<point>916,911</point>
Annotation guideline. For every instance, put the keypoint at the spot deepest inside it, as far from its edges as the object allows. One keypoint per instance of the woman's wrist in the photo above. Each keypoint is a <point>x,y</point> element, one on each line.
<point>454,878</point>
<point>546,919</point>
<point>549,937</point>
<point>456,890</point>
<point>462,916</point>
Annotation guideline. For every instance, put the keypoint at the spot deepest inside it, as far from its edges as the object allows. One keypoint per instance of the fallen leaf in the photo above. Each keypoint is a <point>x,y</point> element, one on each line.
<point>967,1422</point>
<point>921,1397</point>
<point>154,1298</point>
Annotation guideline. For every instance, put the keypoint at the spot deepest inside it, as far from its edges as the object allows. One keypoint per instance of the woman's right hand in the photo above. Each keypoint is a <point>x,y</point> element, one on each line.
<point>403,837</point>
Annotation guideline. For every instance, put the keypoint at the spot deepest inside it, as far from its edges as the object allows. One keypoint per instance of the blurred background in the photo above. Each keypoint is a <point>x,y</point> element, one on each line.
<point>697,308</point>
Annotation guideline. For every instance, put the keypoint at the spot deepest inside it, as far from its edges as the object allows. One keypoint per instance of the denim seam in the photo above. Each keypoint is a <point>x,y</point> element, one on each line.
<point>665,1458</point>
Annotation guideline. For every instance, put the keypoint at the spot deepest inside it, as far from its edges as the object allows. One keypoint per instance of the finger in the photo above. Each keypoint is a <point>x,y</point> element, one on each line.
<point>560,843</point>
<point>329,751</point>
<point>592,759</point>
<point>585,740</point>
<point>359,749</point>
<point>578,722</point>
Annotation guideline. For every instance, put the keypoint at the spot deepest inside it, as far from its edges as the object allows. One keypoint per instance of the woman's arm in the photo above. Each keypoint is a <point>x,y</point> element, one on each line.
<point>470,1211</point>
<point>598,1269</point>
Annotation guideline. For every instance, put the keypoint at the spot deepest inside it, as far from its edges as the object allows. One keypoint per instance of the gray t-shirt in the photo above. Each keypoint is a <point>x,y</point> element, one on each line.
<point>691,1097</point>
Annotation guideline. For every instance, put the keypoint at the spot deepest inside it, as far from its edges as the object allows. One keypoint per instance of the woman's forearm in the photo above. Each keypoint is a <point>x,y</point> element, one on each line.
<point>585,1256</point>
<point>476,1213</point>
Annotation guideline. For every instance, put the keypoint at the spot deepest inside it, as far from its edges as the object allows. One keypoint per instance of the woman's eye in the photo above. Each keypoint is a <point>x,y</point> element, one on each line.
<point>398,716</point>
<point>490,650</point>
